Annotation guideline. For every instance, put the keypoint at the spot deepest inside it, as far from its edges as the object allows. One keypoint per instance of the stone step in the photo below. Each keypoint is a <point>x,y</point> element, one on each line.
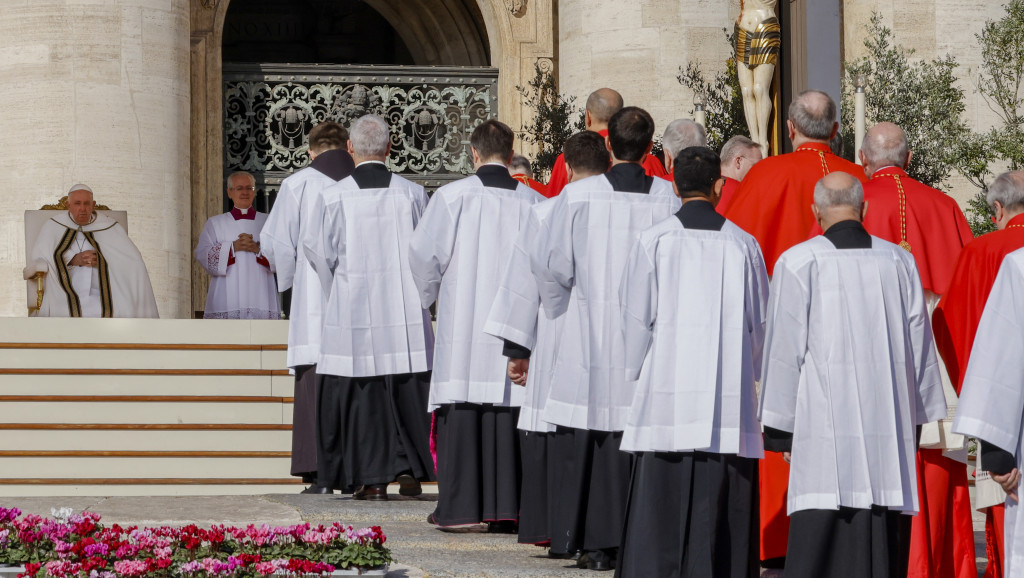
<point>128,357</point>
<point>146,439</point>
<point>151,410</point>
<point>77,384</point>
<point>216,466</point>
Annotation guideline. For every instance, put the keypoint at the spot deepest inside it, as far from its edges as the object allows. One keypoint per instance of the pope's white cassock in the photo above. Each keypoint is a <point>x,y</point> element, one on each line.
<point>579,265</point>
<point>118,286</point>
<point>992,399</point>
<point>457,258</point>
<point>694,299</point>
<point>282,244</point>
<point>377,341</point>
<point>515,317</point>
<point>242,283</point>
<point>850,370</point>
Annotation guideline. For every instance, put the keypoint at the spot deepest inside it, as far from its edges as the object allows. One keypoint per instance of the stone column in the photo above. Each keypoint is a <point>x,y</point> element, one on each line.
<point>637,48</point>
<point>98,93</point>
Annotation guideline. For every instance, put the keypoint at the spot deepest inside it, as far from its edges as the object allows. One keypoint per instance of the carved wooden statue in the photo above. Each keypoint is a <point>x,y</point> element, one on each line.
<point>758,40</point>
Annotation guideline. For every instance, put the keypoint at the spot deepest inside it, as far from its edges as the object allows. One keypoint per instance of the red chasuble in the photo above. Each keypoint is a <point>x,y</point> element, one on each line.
<point>728,195</point>
<point>535,185</point>
<point>773,202</point>
<point>955,323</point>
<point>559,178</point>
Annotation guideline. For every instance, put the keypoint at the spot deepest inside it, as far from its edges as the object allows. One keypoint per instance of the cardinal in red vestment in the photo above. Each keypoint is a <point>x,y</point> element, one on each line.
<point>956,318</point>
<point>522,171</point>
<point>930,225</point>
<point>773,203</point>
<point>738,154</point>
<point>601,105</point>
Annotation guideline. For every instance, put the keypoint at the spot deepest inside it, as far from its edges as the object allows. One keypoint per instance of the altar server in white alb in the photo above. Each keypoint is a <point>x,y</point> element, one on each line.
<point>992,399</point>
<point>242,284</point>
<point>457,257</point>
<point>850,371</point>
<point>531,344</point>
<point>92,268</point>
<point>694,299</point>
<point>282,244</point>
<point>579,266</point>
<point>373,427</point>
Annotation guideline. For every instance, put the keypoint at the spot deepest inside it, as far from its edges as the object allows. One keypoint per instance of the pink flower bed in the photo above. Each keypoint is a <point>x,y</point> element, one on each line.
<point>78,545</point>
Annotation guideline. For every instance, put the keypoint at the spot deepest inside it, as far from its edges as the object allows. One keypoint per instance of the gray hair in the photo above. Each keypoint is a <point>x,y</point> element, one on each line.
<point>520,164</point>
<point>882,150</point>
<point>683,133</point>
<point>851,196</point>
<point>1008,189</point>
<point>814,114</point>
<point>370,136</point>
<point>735,147</point>
<point>227,181</point>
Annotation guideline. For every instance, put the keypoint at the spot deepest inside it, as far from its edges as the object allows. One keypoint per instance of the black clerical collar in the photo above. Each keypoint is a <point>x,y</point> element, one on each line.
<point>849,234</point>
<point>336,164</point>
<point>700,214</point>
<point>629,178</point>
<point>370,175</point>
<point>496,176</point>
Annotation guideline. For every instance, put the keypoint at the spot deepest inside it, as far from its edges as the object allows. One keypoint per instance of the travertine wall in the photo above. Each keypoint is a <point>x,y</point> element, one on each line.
<point>638,47</point>
<point>97,92</point>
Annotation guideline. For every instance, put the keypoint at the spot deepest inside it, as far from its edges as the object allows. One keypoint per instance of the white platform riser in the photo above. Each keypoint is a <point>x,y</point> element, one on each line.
<point>277,385</point>
<point>146,490</point>
<point>48,330</point>
<point>145,440</point>
<point>17,468</point>
<point>147,412</point>
<point>141,359</point>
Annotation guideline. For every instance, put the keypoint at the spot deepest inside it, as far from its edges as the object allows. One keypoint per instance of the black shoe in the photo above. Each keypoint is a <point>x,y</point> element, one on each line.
<point>431,520</point>
<point>408,485</point>
<point>316,489</point>
<point>563,555</point>
<point>595,560</point>
<point>503,527</point>
<point>372,493</point>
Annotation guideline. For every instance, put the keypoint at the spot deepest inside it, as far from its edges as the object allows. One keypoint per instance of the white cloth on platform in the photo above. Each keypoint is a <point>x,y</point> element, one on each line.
<point>515,316</point>
<point>457,257</point>
<point>118,286</point>
<point>373,323</point>
<point>992,398</point>
<point>282,244</point>
<point>579,265</point>
<point>694,306</point>
<point>850,370</point>
<point>242,285</point>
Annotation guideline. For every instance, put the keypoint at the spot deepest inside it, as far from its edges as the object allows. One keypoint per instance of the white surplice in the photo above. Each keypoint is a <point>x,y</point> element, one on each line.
<point>457,258</point>
<point>282,244</point>
<point>992,398</point>
<point>579,263</point>
<point>373,323</point>
<point>850,370</point>
<point>242,285</point>
<point>118,286</point>
<point>515,316</point>
<point>694,304</point>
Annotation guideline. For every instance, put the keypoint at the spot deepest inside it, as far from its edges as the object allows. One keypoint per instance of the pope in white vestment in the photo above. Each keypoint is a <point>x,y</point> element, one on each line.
<point>92,268</point>
<point>850,370</point>
<point>992,399</point>
<point>242,284</point>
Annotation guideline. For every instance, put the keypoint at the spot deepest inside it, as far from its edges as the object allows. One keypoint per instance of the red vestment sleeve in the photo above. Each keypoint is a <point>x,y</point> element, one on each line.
<point>559,178</point>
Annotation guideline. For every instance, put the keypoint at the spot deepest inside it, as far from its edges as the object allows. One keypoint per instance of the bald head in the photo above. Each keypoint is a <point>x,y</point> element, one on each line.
<point>885,145</point>
<point>838,196</point>
<point>602,104</point>
<point>812,117</point>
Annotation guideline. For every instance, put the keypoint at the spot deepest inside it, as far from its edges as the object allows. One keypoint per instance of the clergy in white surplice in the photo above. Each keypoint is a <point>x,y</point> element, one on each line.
<point>373,427</point>
<point>242,284</point>
<point>850,371</point>
<point>579,264</point>
<point>992,398</point>
<point>282,244</point>
<point>531,344</point>
<point>92,268</point>
<point>694,299</point>
<point>457,256</point>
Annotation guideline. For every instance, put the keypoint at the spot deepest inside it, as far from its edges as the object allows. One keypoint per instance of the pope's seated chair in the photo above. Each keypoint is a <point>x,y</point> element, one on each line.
<point>33,223</point>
